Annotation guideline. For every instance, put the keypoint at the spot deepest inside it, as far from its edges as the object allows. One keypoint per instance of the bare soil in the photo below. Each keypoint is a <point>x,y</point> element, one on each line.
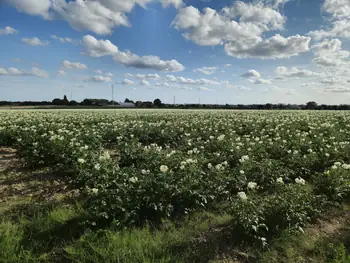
<point>19,186</point>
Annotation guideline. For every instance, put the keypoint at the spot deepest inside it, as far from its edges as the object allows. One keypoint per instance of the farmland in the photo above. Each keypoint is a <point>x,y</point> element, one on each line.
<point>145,185</point>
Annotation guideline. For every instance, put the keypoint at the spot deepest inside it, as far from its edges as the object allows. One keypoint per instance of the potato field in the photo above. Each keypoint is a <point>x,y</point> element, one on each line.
<point>150,172</point>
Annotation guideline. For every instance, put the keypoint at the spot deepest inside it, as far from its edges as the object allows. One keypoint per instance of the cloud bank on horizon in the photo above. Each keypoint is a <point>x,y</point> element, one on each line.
<point>228,51</point>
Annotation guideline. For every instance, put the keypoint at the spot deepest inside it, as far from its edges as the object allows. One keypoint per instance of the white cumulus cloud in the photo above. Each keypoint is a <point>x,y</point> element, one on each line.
<point>98,79</point>
<point>73,65</point>
<point>98,16</point>
<point>276,47</point>
<point>147,62</point>
<point>206,70</point>
<point>263,16</point>
<point>32,7</point>
<point>260,81</point>
<point>295,72</point>
<point>109,74</point>
<point>147,76</point>
<point>329,53</point>
<point>338,9</point>
<point>8,31</point>
<point>63,40</point>
<point>339,29</point>
<point>145,83</point>
<point>36,72</point>
<point>251,74</point>
<point>339,12</point>
<point>99,48</point>
<point>189,81</point>
<point>128,82</point>
<point>35,41</point>
<point>240,28</point>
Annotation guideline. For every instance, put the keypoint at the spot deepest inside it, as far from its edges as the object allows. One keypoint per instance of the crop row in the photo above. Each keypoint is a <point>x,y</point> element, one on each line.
<point>271,170</point>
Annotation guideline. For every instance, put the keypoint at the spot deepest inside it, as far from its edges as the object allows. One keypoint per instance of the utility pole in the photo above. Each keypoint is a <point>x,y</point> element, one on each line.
<point>112,94</point>
<point>199,99</point>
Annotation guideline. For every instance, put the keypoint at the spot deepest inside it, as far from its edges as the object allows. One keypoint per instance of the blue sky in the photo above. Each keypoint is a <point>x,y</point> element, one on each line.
<point>252,51</point>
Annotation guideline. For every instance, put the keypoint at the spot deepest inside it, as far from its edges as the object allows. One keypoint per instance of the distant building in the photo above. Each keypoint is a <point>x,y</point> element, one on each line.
<point>126,105</point>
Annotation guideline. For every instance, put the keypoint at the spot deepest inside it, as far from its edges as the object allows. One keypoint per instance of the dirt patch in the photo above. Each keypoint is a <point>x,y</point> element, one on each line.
<point>21,186</point>
<point>218,245</point>
<point>8,159</point>
<point>331,227</point>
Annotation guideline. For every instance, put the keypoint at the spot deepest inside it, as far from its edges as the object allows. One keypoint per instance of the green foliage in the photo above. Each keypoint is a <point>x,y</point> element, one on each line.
<point>291,207</point>
<point>335,253</point>
<point>249,220</point>
<point>10,244</point>
<point>107,246</point>
<point>136,167</point>
<point>334,183</point>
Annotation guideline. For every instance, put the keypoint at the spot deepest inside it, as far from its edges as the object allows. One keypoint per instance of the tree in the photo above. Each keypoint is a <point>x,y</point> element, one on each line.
<point>268,106</point>
<point>57,101</point>
<point>73,103</point>
<point>157,103</point>
<point>138,103</point>
<point>86,102</point>
<point>65,100</point>
<point>128,101</point>
<point>147,104</point>
<point>311,105</point>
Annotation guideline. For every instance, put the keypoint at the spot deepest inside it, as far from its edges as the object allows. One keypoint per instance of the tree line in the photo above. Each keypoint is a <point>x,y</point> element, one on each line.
<point>157,103</point>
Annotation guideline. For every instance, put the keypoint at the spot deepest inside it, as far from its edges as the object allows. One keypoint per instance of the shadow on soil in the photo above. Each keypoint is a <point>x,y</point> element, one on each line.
<point>217,243</point>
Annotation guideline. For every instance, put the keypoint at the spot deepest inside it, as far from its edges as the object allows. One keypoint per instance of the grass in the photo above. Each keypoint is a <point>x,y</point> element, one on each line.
<point>326,242</point>
<point>65,234</point>
<point>55,232</point>
<point>33,229</point>
<point>304,248</point>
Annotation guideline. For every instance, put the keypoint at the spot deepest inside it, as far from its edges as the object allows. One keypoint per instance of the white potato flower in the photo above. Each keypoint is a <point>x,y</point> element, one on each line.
<point>280,180</point>
<point>252,185</point>
<point>105,156</point>
<point>164,168</point>
<point>218,166</point>
<point>81,160</point>
<point>133,179</point>
<point>242,195</point>
<point>346,166</point>
<point>244,158</point>
<point>337,163</point>
<point>300,181</point>
<point>221,137</point>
